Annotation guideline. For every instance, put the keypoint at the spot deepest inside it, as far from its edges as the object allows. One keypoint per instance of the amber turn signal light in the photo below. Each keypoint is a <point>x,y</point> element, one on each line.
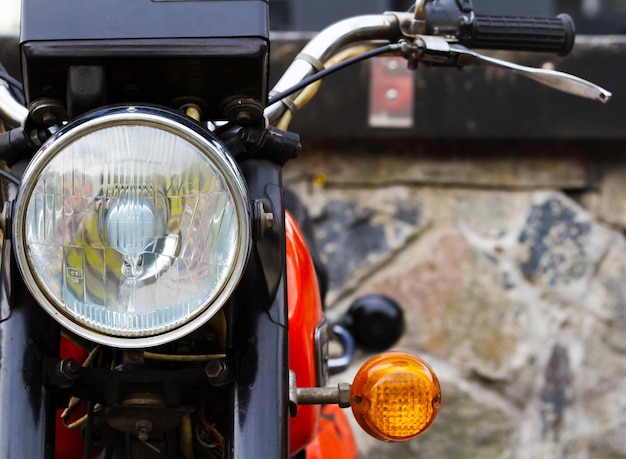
<point>395,396</point>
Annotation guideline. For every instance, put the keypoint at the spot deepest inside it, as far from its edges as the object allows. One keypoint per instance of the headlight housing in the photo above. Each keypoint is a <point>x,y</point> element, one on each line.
<point>132,226</point>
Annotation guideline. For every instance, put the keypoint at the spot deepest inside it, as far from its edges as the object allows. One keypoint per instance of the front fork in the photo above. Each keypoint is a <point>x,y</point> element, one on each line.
<point>27,407</point>
<point>258,336</point>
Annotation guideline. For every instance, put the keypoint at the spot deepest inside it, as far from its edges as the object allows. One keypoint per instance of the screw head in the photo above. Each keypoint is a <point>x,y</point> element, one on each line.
<point>216,370</point>
<point>69,369</point>
<point>49,119</point>
<point>143,428</point>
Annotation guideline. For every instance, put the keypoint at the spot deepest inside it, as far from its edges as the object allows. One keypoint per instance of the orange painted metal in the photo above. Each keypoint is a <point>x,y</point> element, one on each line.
<point>335,438</point>
<point>305,314</point>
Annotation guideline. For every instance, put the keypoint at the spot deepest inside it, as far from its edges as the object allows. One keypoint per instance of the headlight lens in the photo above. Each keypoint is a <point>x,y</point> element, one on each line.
<point>132,226</point>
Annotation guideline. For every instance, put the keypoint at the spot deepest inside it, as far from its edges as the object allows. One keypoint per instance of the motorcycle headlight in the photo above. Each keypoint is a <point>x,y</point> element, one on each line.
<point>132,226</point>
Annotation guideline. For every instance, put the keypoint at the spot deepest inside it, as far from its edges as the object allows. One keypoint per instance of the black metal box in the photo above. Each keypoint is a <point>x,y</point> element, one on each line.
<point>155,51</point>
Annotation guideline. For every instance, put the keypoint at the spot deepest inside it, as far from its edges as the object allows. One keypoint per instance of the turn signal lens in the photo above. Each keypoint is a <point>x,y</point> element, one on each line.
<point>395,396</point>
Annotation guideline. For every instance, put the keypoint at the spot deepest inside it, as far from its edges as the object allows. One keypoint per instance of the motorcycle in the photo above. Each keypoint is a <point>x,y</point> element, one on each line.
<point>158,300</point>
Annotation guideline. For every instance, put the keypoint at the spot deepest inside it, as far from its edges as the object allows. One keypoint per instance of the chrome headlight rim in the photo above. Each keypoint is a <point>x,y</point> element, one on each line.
<point>173,123</point>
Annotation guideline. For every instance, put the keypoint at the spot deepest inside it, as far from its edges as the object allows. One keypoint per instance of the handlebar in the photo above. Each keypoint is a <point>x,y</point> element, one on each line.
<point>384,27</point>
<point>438,32</point>
<point>11,111</point>
<point>433,34</point>
<point>553,35</point>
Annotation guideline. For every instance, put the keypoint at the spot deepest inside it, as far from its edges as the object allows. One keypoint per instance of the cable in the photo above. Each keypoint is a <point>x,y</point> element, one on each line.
<point>88,430</point>
<point>183,358</point>
<point>300,102</point>
<point>311,90</point>
<point>19,96</point>
<point>11,177</point>
<point>185,430</point>
<point>75,401</point>
<point>335,68</point>
<point>12,81</point>
<point>15,86</point>
<point>285,120</point>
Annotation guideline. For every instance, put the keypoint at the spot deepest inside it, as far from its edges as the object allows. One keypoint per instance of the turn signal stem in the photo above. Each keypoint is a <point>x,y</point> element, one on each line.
<point>339,395</point>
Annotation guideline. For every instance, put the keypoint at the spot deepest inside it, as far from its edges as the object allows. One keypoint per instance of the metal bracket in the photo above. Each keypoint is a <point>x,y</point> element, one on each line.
<point>6,218</point>
<point>264,220</point>
<point>341,363</point>
<point>322,339</point>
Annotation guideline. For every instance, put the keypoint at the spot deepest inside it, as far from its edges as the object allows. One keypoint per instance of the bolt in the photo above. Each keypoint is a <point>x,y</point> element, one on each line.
<point>69,369</point>
<point>216,370</point>
<point>466,19</point>
<point>142,429</point>
<point>268,220</point>
<point>49,119</point>
<point>265,220</point>
<point>243,116</point>
<point>249,136</point>
<point>436,401</point>
<point>133,356</point>
<point>344,395</point>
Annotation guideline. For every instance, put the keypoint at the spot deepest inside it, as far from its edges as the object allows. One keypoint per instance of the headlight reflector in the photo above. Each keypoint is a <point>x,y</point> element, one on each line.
<point>132,226</point>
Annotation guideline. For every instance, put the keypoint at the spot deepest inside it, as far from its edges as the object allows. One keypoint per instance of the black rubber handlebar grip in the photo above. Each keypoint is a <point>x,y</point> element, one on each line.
<point>552,35</point>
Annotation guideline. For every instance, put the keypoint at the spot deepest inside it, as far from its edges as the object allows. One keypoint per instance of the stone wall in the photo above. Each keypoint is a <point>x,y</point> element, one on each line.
<point>509,259</point>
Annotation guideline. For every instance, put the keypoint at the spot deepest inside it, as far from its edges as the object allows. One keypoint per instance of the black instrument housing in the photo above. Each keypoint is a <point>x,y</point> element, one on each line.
<point>154,51</point>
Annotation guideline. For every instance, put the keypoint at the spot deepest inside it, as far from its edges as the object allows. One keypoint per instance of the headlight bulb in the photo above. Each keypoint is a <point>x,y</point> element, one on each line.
<point>132,225</point>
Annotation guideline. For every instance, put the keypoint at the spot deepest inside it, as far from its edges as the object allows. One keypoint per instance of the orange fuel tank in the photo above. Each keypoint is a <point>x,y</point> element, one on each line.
<point>305,315</point>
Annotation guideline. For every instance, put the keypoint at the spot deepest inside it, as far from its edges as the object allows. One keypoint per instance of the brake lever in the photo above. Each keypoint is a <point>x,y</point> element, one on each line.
<point>553,78</point>
<point>438,50</point>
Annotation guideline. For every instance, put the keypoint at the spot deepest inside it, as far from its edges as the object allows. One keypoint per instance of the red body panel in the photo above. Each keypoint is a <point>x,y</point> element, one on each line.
<point>68,443</point>
<point>328,435</point>
<point>305,314</point>
<point>335,438</point>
